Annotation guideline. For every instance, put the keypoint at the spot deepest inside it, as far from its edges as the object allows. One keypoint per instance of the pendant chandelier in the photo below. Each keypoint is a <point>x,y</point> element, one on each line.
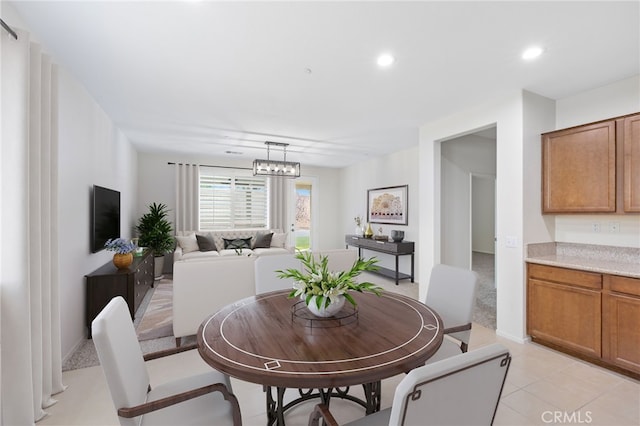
<point>271,167</point>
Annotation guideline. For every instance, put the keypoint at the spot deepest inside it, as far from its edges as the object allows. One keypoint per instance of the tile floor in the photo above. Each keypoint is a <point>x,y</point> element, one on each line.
<point>543,387</point>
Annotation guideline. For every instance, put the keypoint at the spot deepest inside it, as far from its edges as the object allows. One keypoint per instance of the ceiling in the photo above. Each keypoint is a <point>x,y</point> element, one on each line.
<point>188,77</point>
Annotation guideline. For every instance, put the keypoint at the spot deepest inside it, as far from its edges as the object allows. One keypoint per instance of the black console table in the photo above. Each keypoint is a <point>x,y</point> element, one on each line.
<point>403,248</point>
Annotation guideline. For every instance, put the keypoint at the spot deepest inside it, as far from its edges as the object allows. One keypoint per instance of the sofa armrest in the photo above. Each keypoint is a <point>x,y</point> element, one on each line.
<point>177,254</point>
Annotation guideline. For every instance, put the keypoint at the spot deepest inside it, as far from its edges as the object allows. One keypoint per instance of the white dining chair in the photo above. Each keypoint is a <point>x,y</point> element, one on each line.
<point>266,277</point>
<point>452,294</point>
<point>200,399</point>
<point>464,389</point>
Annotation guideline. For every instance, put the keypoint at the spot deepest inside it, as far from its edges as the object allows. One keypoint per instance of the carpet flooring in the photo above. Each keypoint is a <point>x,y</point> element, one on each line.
<point>485,309</point>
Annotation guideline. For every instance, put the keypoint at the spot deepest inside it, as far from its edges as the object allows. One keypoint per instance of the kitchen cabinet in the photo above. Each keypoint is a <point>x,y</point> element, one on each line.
<point>564,308</point>
<point>591,315</point>
<point>631,164</point>
<point>592,168</point>
<point>621,322</point>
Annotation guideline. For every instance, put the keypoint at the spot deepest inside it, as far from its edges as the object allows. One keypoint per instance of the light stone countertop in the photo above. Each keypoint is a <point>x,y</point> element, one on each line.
<point>623,261</point>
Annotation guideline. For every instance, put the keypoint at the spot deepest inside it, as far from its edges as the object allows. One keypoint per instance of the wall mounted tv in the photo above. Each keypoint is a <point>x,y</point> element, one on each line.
<point>105,216</point>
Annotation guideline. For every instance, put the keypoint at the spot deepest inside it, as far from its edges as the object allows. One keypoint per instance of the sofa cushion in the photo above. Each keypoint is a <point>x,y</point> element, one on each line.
<point>206,243</point>
<point>263,240</point>
<point>236,252</point>
<point>279,240</point>
<point>269,251</point>
<point>188,243</point>
<point>237,243</point>
<point>202,255</point>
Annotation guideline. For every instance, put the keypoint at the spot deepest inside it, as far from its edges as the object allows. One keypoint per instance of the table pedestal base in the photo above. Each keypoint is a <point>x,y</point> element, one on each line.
<point>276,408</point>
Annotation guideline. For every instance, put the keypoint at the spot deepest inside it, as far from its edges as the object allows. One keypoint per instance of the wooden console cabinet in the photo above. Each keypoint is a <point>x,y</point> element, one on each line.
<point>106,282</point>
<point>591,315</point>
<point>403,248</point>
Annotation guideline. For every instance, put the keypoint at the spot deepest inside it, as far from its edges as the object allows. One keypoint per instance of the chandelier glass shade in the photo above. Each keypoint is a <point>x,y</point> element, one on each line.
<point>271,167</point>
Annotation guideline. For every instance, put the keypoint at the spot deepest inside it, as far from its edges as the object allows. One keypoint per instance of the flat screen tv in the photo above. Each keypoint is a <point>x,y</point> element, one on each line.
<point>105,216</point>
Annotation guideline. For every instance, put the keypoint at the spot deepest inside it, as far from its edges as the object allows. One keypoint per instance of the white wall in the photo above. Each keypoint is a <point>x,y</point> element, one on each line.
<point>507,115</point>
<point>483,208</point>
<point>91,151</point>
<point>619,98</point>
<point>462,158</point>
<point>400,168</point>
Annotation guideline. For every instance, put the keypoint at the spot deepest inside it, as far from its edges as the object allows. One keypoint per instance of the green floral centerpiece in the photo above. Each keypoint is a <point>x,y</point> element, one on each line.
<point>324,291</point>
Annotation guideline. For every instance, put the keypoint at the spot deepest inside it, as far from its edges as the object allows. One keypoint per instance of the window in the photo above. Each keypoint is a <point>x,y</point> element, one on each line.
<point>228,201</point>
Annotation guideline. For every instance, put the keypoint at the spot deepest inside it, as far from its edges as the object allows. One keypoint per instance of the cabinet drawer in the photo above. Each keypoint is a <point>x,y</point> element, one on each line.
<point>622,284</point>
<point>566,276</point>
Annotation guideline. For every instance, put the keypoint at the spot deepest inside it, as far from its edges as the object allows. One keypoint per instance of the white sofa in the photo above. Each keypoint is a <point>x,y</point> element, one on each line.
<point>203,286</point>
<point>208,244</point>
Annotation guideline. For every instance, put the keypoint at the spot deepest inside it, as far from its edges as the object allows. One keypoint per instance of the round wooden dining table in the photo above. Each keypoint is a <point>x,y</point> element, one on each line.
<point>275,341</point>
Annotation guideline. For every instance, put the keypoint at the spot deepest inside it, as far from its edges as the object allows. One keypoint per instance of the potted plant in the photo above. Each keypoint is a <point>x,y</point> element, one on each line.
<point>123,257</point>
<point>155,233</point>
<point>324,291</point>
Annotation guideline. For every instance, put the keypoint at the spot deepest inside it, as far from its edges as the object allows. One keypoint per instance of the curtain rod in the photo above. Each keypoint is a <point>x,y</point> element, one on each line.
<point>207,165</point>
<point>8,29</point>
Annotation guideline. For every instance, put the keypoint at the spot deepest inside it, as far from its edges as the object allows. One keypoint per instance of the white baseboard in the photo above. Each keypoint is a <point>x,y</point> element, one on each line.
<point>520,340</point>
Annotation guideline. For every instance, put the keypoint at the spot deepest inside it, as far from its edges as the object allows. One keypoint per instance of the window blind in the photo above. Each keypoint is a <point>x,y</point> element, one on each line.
<point>228,202</point>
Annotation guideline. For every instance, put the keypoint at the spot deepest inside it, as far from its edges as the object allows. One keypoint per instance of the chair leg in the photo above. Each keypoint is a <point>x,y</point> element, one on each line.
<point>464,346</point>
<point>178,341</point>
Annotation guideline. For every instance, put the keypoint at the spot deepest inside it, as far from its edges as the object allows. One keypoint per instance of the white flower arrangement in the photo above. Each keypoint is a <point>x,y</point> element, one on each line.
<point>327,285</point>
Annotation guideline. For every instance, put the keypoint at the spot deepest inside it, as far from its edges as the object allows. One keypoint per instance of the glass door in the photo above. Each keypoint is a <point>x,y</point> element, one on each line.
<point>301,216</point>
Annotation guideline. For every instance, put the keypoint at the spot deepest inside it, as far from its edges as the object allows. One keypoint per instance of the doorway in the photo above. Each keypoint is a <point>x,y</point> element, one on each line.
<point>302,213</point>
<point>468,181</point>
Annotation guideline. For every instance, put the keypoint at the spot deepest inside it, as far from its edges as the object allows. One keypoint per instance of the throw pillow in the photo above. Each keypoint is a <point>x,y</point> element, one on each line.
<point>205,242</point>
<point>263,240</point>
<point>237,243</point>
<point>188,243</point>
<point>279,240</point>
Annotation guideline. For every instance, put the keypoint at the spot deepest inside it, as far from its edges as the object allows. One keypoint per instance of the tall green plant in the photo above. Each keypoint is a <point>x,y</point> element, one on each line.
<point>155,230</point>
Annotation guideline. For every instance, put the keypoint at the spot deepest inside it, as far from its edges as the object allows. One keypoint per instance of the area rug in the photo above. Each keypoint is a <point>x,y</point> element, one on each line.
<point>157,319</point>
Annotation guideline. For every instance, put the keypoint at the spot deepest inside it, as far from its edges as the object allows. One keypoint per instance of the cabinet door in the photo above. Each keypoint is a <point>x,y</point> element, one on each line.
<point>579,169</point>
<point>631,165</point>
<point>621,322</point>
<point>565,315</point>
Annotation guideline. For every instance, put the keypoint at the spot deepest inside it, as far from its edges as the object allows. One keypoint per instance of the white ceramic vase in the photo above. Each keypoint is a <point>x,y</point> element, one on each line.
<point>329,311</point>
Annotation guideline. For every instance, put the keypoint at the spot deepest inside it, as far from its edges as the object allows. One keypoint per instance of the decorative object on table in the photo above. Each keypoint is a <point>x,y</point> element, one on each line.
<point>155,233</point>
<point>368,233</point>
<point>397,236</point>
<point>321,288</point>
<point>388,205</point>
<point>380,236</point>
<point>123,258</point>
<point>358,221</point>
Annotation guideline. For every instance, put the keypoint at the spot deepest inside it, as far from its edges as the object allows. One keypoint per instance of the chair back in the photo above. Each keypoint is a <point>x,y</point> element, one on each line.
<point>266,277</point>
<point>452,294</point>
<point>120,356</point>
<point>461,390</point>
<point>338,260</point>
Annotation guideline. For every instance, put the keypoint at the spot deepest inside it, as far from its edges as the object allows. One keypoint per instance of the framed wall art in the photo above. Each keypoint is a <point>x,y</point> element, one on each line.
<point>388,205</point>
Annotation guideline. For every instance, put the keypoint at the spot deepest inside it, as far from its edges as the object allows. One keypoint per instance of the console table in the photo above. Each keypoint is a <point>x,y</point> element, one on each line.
<point>106,282</point>
<point>403,248</point>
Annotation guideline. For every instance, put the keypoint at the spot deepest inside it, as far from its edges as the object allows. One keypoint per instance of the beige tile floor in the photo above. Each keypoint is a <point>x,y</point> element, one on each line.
<point>543,387</point>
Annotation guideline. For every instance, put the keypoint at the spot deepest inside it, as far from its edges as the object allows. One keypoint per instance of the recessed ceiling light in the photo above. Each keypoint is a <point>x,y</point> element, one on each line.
<point>385,60</point>
<point>532,53</point>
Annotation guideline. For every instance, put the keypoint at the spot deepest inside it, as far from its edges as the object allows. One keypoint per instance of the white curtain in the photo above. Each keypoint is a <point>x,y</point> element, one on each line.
<point>187,197</point>
<point>278,204</point>
<point>30,344</point>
